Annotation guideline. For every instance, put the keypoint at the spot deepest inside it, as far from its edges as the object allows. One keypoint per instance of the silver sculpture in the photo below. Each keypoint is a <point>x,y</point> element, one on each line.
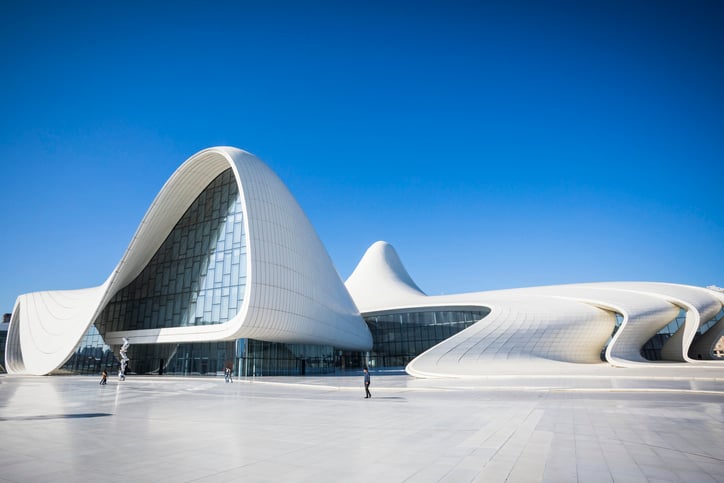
<point>124,359</point>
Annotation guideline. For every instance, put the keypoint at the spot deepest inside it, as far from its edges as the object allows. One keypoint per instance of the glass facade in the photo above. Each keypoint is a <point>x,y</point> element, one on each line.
<point>197,276</point>
<point>205,358</point>
<point>398,337</point>
<point>192,359</point>
<point>276,359</point>
<point>91,356</point>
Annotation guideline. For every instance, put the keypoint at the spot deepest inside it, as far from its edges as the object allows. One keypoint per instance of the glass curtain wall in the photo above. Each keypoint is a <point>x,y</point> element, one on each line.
<point>398,337</point>
<point>261,358</point>
<point>197,276</point>
<point>91,356</point>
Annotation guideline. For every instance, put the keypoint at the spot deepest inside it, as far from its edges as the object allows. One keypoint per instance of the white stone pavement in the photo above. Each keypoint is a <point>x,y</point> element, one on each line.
<point>607,426</point>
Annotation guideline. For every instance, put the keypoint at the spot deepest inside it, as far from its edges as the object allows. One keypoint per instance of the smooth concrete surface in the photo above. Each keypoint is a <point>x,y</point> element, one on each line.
<point>615,426</point>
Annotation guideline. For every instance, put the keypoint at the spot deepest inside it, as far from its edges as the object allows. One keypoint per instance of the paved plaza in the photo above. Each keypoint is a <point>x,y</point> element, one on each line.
<point>648,425</point>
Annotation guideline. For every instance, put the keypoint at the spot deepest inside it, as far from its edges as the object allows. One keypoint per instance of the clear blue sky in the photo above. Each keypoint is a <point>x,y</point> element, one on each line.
<point>495,145</point>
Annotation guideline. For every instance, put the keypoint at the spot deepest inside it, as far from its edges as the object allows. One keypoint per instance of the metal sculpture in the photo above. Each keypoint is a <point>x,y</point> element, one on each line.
<point>124,359</point>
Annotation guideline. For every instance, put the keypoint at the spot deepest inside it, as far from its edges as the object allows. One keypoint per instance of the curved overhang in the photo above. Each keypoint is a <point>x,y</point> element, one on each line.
<point>700,304</point>
<point>45,327</point>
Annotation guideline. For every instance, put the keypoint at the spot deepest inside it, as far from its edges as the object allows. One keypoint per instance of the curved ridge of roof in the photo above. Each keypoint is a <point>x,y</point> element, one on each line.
<point>380,279</point>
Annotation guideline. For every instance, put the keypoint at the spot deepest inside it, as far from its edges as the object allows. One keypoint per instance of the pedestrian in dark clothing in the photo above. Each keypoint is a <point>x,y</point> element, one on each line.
<point>367,384</point>
<point>104,378</point>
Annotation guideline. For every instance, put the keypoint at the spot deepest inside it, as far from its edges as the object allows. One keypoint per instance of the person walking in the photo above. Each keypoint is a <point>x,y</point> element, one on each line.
<point>227,375</point>
<point>367,384</point>
<point>104,378</point>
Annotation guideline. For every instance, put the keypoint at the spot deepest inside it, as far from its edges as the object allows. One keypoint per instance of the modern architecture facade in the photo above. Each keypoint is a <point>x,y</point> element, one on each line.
<point>225,270</point>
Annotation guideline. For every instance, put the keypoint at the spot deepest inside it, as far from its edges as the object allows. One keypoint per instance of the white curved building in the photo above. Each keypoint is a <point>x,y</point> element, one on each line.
<point>542,329</point>
<point>224,252</point>
<point>225,270</point>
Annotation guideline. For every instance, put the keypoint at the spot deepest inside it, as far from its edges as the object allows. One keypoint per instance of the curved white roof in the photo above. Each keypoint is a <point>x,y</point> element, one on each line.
<point>293,292</point>
<point>529,329</point>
